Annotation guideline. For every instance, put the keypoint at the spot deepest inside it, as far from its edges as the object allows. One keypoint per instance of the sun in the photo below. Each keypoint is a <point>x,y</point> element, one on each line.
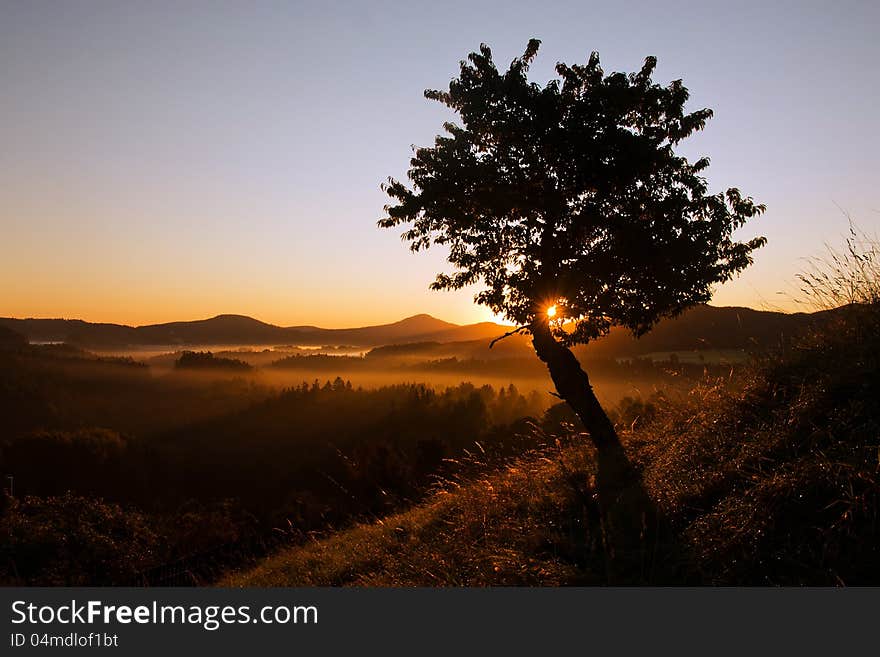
<point>551,311</point>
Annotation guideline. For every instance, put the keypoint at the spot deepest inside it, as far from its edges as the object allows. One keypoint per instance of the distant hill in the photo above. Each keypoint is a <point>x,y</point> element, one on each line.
<point>708,327</point>
<point>242,330</point>
<point>702,327</point>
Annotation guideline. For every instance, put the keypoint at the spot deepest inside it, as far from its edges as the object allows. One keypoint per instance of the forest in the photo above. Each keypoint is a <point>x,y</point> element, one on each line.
<point>116,469</point>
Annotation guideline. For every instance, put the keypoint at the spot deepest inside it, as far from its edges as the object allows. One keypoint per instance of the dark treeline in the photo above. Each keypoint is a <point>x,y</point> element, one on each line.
<point>332,440</point>
<point>205,360</point>
<point>642,367</point>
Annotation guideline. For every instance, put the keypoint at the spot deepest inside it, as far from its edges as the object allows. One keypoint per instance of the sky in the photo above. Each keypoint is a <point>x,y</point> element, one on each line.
<point>165,161</point>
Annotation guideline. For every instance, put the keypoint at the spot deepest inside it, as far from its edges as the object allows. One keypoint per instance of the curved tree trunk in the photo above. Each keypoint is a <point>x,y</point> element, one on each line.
<point>627,511</point>
<point>573,386</point>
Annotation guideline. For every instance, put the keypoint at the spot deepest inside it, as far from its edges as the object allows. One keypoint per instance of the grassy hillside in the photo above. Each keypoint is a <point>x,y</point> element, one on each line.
<point>775,483</point>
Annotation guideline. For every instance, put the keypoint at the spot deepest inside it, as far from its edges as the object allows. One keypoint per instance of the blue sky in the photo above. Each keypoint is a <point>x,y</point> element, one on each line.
<point>178,160</point>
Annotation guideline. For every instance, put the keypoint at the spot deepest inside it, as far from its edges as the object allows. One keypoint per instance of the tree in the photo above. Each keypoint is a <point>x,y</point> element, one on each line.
<point>569,204</point>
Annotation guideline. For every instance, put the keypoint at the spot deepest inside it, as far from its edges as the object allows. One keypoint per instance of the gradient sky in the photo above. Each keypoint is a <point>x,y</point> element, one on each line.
<point>166,161</point>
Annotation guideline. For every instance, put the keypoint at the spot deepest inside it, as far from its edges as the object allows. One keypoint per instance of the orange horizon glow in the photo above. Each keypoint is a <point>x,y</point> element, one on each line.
<point>189,175</point>
<point>455,308</point>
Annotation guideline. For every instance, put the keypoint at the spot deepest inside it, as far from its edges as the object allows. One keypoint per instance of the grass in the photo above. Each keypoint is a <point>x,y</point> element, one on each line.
<point>773,481</point>
<point>514,527</point>
<point>776,483</point>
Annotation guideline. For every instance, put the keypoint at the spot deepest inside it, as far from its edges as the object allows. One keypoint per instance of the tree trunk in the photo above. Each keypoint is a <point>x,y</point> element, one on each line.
<point>615,472</point>
<point>628,514</point>
<point>573,386</point>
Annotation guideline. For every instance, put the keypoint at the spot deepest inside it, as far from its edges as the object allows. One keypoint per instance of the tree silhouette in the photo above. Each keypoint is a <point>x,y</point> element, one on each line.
<point>571,197</point>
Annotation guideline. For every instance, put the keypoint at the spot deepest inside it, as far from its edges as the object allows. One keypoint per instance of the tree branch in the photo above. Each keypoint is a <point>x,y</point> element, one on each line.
<point>508,334</point>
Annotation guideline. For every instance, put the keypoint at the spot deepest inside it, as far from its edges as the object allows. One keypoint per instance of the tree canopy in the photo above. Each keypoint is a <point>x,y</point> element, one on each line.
<point>571,195</point>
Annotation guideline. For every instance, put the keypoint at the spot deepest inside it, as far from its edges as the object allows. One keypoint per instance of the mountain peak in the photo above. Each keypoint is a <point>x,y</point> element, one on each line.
<point>425,322</point>
<point>232,316</point>
<point>238,319</point>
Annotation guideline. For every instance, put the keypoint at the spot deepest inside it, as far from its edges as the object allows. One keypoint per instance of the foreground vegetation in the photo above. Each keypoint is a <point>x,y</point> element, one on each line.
<point>776,481</point>
<point>118,474</point>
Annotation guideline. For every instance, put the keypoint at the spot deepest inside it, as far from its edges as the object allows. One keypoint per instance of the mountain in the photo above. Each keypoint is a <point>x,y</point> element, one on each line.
<point>702,327</point>
<point>242,330</point>
<point>699,328</point>
<point>222,329</point>
<point>707,327</point>
<point>417,327</point>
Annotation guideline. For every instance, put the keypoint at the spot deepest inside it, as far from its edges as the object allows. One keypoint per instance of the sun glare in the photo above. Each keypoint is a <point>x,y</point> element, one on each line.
<point>551,311</point>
